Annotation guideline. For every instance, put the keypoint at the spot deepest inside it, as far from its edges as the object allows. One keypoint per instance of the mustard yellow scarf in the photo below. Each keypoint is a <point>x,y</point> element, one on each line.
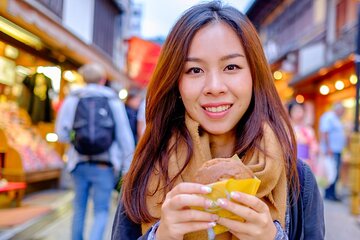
<point>269,168</point>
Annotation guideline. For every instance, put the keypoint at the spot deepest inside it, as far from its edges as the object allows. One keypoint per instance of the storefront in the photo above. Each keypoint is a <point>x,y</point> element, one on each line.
<point>29,92</point>
<point>330,84</point>
<point>320,90</point>
<point>38,62</point>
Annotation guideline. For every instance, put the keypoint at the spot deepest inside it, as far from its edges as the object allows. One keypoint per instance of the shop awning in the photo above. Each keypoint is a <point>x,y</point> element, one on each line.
<point>62,43</point>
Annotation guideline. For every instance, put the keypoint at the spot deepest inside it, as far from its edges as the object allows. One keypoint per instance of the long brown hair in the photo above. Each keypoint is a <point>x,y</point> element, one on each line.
<point>165,112</point>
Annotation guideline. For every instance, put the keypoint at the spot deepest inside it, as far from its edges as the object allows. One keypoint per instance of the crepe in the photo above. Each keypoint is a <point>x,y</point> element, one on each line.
<point>226,175</point>
<point>219,169</point>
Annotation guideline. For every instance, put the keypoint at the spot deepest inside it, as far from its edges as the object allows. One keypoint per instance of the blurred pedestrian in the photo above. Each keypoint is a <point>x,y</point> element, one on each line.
<point>307,145</point>
<point>132,105</point>
<point>332,143</point>
<point>212,95</point>
<point>93,120</point>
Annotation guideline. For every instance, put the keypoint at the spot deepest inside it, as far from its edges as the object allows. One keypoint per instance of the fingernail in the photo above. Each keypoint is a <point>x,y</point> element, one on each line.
<point>206,189</point>
<point>214,217</point>
<point>212,224</point>
<point>221,202</point>
<point>210,204</point>
<point>235,195</point>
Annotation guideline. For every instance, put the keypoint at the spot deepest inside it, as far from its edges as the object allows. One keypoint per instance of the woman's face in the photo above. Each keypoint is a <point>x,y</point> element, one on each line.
<point>216,83</point>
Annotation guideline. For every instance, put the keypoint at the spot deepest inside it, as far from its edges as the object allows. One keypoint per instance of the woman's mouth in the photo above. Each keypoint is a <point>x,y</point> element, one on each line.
<point>218,109</point>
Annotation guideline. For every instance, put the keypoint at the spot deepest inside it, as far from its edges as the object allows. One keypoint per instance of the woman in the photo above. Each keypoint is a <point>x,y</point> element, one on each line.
<point>212,95</point>
<point>307,146</point>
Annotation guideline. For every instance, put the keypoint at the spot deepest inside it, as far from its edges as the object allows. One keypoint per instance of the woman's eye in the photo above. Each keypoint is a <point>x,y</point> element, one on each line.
<point>232,67</point>
<point>194,70</point>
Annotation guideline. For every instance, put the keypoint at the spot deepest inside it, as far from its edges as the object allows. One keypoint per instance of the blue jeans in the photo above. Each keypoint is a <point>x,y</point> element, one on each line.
<point>100,179</point>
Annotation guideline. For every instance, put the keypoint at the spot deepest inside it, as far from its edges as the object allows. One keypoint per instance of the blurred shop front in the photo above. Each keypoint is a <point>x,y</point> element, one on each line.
<point>38,62</point>
<point>309,45</point>
<point>329,84</point>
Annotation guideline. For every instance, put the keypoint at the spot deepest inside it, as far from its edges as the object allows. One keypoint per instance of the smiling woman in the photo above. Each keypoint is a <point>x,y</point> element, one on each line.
<point>216,86</point>
<point>212,96</point>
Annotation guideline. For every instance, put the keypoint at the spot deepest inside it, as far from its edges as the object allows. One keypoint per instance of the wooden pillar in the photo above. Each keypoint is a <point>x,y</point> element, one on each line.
<point>355,173</point>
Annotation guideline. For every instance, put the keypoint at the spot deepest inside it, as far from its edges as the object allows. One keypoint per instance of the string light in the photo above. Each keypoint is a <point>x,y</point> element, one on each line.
<point>324,90</point>
<point>278,75</point>
<point>339,85</point>
<point>299,98</point>
<point>353,79</point>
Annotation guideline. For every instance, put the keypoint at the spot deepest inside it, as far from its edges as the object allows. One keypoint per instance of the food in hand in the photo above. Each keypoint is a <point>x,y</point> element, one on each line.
<point>226,175</point>
<point>219,169</point>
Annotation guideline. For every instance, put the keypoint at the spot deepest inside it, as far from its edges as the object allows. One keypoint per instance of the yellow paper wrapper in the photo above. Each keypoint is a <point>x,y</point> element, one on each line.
<point>223,189</point>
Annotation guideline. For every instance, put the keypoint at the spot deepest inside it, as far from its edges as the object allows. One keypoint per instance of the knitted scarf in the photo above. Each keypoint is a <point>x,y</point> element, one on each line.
<point>269,168</point>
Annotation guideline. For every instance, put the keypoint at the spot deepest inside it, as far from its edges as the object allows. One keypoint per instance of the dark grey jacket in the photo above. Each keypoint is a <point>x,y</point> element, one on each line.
<point>306,214</point>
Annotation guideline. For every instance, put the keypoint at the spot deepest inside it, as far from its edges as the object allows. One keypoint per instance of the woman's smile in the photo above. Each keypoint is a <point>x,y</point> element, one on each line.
<point>216,111</point>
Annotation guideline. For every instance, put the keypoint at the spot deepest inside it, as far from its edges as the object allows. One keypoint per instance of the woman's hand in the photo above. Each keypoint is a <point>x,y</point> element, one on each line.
<point>177,218</point>
<point>258,223</point>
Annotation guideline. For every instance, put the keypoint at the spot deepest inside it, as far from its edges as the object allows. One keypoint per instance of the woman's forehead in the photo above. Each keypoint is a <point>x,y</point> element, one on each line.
<point>216,36</point>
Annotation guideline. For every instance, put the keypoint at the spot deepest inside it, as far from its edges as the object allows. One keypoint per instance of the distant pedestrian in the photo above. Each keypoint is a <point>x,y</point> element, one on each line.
<point>93,120</point>
<point>332,143</point>
<point>132,104</point>
<point>307,145</point>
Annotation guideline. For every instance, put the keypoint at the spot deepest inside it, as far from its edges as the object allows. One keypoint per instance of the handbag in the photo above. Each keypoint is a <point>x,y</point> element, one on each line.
<point>326,170</point>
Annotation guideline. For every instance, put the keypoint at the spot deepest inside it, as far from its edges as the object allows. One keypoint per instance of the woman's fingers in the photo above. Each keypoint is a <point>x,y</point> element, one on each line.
<point>189,227</point>
<point>182,201</point>
<point>188,188</point>
<point>251,208</point>
<point>236,226</point>
<point>251,201</point>
<point>192,215</point>
<point>256,214</point>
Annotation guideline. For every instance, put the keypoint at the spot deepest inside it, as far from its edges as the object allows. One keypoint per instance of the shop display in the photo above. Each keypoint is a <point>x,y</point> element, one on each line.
<point>36,154</point>
<point>39,103</point>
<point>7,71</point>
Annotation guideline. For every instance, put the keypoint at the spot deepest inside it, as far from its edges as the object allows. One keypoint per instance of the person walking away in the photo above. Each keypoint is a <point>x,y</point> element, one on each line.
<point>307,145</point>
<point>93,121</point>
<point>332,143</point>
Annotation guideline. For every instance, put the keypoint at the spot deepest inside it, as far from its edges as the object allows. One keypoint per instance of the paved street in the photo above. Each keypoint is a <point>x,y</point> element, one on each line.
<point>61,228</point>
<point>340,224</point>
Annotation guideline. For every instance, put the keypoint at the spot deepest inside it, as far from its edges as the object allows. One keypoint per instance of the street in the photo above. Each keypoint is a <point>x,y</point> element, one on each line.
<point>61,227</point>
<point>340,224</point>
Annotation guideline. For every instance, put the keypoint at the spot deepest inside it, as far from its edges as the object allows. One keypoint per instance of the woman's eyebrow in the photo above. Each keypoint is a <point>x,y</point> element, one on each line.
<point>230,56</point>
<point>192,59</point>
<point>234,55</point>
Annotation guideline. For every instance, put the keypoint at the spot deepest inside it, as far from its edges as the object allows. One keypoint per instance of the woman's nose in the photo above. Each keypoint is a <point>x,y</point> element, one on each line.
<point>214,84</point>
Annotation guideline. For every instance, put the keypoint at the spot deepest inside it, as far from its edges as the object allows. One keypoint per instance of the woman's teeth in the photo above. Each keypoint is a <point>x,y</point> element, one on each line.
<point>217,109</point>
